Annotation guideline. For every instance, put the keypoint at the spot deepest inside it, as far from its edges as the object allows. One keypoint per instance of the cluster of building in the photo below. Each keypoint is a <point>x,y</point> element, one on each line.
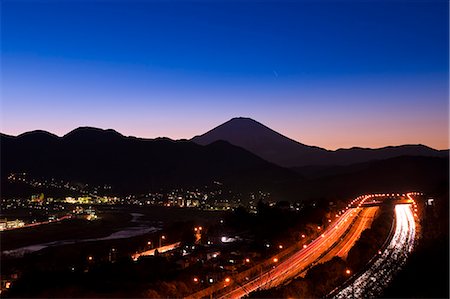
<point>87,213</point>
<point>91,200</point>
<point>56,184</point>
<point>11,224</point>
<point>214,197</point>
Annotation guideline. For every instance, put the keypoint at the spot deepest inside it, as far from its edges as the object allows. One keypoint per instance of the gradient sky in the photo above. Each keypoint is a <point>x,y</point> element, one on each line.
<point>327,73</point>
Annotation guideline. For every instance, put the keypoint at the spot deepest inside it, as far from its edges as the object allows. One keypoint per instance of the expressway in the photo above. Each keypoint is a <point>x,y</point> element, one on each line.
<point>371,282</point>
<point>312,253</point>
<point>336,240</point>
<point>338,245</point>
<point>342,248</point>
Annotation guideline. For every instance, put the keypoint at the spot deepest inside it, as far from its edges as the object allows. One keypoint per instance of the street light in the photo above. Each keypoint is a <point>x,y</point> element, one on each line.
<point>348,271</point>
<point>163,237</point>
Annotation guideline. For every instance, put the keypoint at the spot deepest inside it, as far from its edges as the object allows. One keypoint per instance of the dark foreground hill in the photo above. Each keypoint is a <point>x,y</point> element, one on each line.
<point>129,164</point>
<point>281,150</point>
<point>133,165</point>
<point>400,174</point>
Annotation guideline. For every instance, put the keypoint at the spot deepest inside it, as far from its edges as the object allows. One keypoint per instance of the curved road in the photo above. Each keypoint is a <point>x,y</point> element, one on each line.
<point>301,260</point>
<point>374,280</point>
<point>336,240</point>
<point>363,222</point>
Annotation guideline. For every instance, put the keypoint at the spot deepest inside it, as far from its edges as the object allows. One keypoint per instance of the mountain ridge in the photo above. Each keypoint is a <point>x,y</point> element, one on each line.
<point>135,165</point>
<point>88,128</point>
<point>97,156</point>
<point>262,141</point>
<point>284,151</point>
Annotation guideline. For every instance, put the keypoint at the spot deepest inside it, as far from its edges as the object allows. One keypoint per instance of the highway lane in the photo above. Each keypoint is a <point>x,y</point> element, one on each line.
<point>376,278</point>
<point>363,222</point>
<point>299,261</point>
<point>338,245</point>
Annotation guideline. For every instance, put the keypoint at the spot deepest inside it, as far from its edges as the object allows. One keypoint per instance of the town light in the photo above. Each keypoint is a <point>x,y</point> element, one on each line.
<point>195,279</point>
<point>275,260</point>
<point>247,260</point>
<point>348,271</point>
<point>227,279</point>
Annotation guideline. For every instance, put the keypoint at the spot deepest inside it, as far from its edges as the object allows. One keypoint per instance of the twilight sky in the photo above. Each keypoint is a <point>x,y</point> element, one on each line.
<point>327,73</point>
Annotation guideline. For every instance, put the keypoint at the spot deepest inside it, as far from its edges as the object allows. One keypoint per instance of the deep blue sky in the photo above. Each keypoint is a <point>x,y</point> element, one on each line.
<point>327,73</point>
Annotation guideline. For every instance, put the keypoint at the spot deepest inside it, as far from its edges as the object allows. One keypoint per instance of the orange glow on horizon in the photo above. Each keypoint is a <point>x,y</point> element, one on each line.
<point>331,134</point>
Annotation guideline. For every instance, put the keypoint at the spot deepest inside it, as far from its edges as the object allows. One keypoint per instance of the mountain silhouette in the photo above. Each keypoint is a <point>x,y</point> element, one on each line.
<point>135,165</point>
<point>281,150</point>
<point>97,157</point>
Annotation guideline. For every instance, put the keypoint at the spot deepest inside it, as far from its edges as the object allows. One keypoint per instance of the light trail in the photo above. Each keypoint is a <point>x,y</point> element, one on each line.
<point>363,222</point>
<point>38,223</point>
<point>299,261</point>
<point>161,249</point>
<point>374,280</point>
<point>337,239</point>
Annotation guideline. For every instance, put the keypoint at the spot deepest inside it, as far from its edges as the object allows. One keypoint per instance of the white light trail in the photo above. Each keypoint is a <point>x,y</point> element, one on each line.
<point>373,281</point>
